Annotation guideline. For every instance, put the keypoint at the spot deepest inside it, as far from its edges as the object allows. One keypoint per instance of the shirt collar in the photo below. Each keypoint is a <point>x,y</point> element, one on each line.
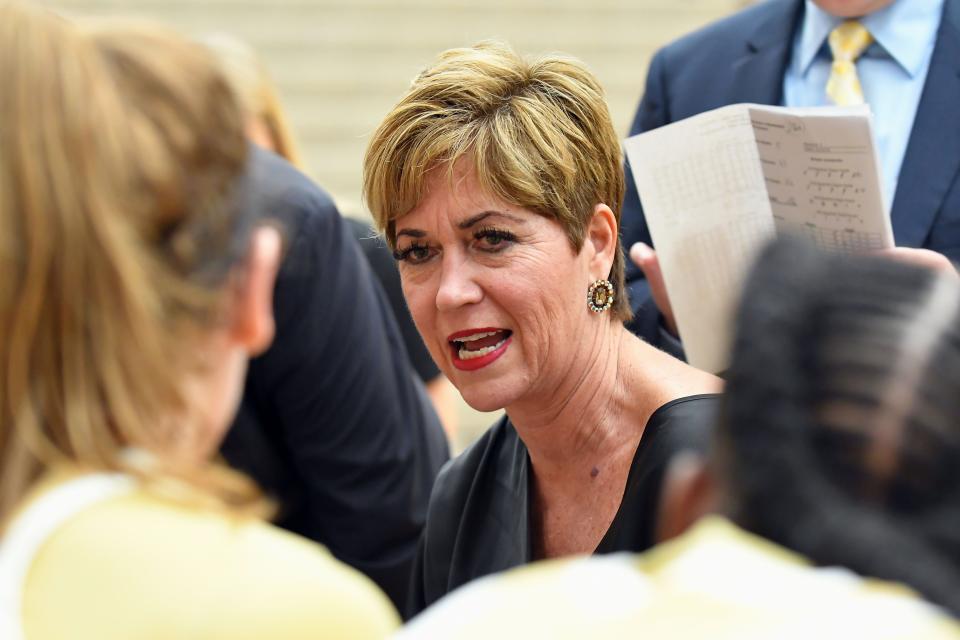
<point>905,30</point>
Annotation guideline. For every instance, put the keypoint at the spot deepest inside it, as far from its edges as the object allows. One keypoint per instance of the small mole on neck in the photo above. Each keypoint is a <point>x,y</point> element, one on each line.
<point>594,472</point>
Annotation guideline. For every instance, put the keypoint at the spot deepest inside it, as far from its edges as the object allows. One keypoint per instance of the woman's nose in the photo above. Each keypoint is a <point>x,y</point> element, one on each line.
<point>458,285</point>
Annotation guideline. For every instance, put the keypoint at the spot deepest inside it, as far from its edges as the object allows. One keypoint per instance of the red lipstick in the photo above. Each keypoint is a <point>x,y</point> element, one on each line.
<point>481,346</point>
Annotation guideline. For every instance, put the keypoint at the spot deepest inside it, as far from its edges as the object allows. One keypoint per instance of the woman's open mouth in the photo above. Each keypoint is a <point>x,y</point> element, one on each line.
<point>476,348</point>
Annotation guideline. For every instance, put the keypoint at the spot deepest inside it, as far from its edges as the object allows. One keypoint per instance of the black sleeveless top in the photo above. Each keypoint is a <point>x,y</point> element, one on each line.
<point>478,521</point>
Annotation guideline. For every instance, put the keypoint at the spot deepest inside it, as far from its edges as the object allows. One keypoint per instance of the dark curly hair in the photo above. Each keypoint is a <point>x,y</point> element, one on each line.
<point>840,429</point>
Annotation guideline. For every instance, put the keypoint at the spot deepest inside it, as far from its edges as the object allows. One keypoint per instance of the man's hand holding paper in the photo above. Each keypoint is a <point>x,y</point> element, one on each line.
<point>715,187</point>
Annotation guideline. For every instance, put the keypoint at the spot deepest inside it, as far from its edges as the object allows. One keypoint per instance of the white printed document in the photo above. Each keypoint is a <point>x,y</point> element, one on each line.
<point>716,186</point>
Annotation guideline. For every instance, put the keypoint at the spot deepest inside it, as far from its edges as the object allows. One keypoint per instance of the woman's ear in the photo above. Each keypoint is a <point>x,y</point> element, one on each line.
<point>602,234</point>
<point>252,319</point>
<point>688,492</point>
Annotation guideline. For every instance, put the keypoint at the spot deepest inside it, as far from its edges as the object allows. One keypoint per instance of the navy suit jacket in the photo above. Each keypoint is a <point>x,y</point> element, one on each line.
<point>743,58</point>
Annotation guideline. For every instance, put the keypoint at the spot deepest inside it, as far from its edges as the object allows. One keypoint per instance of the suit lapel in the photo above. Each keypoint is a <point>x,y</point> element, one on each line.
<point>932,158</point>
<point>757,76</point>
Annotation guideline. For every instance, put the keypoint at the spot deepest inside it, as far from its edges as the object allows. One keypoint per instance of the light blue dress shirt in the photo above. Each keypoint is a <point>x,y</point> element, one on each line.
<point>892,71</point>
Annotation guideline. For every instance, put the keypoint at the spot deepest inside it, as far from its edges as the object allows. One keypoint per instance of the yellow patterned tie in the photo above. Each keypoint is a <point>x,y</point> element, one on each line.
<point>847,42</point>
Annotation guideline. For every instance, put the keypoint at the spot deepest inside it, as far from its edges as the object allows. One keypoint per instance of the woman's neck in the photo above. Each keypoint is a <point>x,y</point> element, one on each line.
<point>599,408</point>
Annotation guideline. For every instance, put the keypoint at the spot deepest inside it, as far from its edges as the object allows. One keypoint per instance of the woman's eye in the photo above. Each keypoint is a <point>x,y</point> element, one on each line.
<point>494,240</point>
<point>414,254</point>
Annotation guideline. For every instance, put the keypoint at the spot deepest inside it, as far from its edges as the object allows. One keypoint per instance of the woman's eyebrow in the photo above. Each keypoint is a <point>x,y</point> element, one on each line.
<point>483,215</point>
<point>465,224</point>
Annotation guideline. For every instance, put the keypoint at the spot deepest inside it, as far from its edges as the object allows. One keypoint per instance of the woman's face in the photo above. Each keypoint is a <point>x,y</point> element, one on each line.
<point>497,292</point>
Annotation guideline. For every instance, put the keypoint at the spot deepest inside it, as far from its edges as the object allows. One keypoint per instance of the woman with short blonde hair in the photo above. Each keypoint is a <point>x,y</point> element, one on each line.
<point>498,182</point>
<point>537,134</point>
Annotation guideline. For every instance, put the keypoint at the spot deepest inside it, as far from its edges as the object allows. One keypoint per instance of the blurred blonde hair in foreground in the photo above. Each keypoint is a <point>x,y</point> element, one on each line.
<point>119,148</point>
<point>266,123</point>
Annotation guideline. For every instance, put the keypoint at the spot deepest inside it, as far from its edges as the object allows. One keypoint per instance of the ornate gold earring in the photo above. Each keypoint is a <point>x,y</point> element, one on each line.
<point>600,296</point>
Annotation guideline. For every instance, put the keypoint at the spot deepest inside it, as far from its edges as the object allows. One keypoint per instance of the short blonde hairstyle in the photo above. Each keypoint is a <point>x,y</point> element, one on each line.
<point>119,150</point>
<point>538,133</point>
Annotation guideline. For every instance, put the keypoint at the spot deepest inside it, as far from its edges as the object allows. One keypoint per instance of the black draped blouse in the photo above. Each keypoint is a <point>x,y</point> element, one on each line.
<point>478,521</point>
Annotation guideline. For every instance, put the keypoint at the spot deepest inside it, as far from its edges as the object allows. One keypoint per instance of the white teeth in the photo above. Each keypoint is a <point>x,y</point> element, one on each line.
<point>476,336</point>
<point>464,354</point>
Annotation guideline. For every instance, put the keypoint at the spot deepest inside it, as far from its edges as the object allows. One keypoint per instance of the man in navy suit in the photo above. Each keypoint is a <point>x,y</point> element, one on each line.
<point>777,53</point>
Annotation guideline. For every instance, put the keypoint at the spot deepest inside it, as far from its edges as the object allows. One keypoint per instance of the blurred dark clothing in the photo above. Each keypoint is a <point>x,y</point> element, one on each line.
<point>384,266</point>
<point>479,520</point>
<point>333,424</point>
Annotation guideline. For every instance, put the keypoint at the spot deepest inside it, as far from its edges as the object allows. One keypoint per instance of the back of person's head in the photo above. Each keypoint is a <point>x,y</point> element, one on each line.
<point>840,436</point>
<point>265,120</point>
<point>120,150</point>
<point>537,132</point>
